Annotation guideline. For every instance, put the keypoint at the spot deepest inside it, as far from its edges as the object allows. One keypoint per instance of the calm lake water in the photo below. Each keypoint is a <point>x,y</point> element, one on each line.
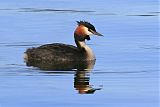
<point>126,72</point>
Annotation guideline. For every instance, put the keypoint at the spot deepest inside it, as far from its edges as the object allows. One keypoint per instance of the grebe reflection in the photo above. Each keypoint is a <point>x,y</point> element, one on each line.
<point>81,70</point>
<point>82,83</point>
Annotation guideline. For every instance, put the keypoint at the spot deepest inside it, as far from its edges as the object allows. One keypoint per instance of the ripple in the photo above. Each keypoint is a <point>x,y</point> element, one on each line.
<point>150,47</point>
<point>104,71</point>
<point>144,15</point>
<point>89,12</point>
<point>53,10</point>
<point>103,14</point>
<point>6,9</point>
<point>41,10</point>
<point>154,12</point>
<point>19,44</point>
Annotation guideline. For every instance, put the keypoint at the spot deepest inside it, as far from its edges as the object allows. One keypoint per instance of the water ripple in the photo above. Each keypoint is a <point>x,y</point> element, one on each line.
<point>144,15</point>
<point>89,12</point>
<point>124,72</point>
<point>150,47</point>
<point>52,10</point>
<point>19,44</point>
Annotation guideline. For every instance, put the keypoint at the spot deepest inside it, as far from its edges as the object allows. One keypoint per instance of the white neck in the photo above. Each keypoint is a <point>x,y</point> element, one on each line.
<point>82,45</point>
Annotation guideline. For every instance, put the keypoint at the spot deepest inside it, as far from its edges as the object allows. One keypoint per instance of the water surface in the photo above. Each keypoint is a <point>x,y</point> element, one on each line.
<point>126,72</point>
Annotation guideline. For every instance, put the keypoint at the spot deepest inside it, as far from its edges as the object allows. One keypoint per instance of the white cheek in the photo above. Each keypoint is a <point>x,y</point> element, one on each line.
<point>87,32</point>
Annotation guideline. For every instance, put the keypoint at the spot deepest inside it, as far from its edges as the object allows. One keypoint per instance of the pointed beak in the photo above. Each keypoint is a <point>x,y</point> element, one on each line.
<point>96,33</point>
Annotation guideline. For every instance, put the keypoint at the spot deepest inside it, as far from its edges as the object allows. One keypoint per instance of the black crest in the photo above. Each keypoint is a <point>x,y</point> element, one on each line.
<point>86,24</point>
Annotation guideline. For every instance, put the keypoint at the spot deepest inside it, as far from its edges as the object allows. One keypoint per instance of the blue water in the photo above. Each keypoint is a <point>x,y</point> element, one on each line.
<point>127,66</point>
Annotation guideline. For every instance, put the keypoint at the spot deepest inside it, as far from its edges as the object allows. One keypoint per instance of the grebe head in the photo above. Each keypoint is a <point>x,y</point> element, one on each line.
<point>84,30</point>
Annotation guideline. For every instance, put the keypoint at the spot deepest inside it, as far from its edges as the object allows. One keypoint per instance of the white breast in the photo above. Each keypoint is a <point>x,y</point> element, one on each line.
<point>89,52</point>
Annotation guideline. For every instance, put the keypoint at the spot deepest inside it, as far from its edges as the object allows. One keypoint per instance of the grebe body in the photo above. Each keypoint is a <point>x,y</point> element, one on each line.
<point>61,53</point>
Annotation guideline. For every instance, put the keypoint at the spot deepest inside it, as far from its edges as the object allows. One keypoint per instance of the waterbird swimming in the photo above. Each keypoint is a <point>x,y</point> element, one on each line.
<point>61,54</point>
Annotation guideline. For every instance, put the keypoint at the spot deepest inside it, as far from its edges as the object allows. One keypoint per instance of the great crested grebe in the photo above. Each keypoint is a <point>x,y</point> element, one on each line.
<point>58,52</point>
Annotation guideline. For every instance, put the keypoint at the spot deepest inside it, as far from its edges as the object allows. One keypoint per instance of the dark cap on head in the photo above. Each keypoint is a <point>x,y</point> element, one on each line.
<point>86,24</point>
